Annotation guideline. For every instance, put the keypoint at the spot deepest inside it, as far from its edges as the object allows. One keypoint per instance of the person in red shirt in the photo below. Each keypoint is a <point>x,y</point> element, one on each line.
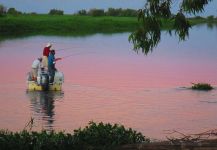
<point>46,53</point>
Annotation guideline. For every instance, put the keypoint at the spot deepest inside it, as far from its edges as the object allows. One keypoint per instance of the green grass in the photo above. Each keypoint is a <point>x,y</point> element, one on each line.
<point>93,137</point>
<point>65,25</point>
<point>73,25</point>
<point>201,86</point>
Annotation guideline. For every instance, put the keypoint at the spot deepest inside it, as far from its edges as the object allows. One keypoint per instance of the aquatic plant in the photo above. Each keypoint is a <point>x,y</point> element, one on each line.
<point>103,136</point>
<point>201,86</point>
<point>92,137</point>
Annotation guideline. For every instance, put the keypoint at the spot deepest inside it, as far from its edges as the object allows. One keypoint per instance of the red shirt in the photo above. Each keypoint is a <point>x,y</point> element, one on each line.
<point>46,51</point>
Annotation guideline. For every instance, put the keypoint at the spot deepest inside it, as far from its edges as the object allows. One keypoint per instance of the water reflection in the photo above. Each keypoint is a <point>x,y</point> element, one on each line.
<point>43,107</point>
<point>211,26</point>
<point>114,84</point>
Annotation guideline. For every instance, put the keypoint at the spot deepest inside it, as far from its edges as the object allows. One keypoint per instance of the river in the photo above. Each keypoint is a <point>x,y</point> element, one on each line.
<point>105,80</point>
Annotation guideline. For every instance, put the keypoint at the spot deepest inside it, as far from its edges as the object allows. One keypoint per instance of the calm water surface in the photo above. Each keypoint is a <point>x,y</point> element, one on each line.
<point>106,81</point>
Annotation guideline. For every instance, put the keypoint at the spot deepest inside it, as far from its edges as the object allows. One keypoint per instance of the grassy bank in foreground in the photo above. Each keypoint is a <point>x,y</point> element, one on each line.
<point>74,25</point>
<point>64,25</point>
<point>92,137</point>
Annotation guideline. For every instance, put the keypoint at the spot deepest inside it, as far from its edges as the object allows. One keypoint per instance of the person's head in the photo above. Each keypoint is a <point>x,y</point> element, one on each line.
<point>52,51</point>
<point>40,59</point>
<point>49,45</point>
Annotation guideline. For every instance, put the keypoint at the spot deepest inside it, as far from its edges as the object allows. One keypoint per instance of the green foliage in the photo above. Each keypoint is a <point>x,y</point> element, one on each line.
<point>13,11</point>
<point>202,86</point>
<point>110,12</point>
<point>194,6</point>
<point>151,16</point>
<point>210,18</point>
<point>198,17</point>
<point>65,25</point>
<point>82,12</point>
<point>2,10</point>
<point>35,140</point>
<point>148,35</point>
<point>121,12</point>
<point>129,13</point>
<point>34,24</point>
<point>96,12</point>
<point>181,26</point>
<point>113,12</point>
<point>158,8</point>
<point>55,12</point>
<point>105,136</point>
<point>95,136</point>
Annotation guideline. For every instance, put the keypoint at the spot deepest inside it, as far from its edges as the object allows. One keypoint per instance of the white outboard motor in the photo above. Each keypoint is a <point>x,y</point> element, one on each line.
<point>58,78</point>
<point>43,80</point>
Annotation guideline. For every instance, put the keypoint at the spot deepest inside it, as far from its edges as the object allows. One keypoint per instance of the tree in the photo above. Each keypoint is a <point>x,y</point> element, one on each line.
<point>82,12</point>
<point>148,35</point>
<point>114,12</point>
<point>13,11</point>
<point>96,12</point>
<point>2,10</point>
<point>129,13</point>
<point>56,12</point>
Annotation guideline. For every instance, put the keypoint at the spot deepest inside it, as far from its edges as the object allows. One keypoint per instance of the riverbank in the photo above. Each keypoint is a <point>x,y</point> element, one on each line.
<point>97,137</point>
<point>166,145</point>
<point>65,25</point>
<point>74,25</point>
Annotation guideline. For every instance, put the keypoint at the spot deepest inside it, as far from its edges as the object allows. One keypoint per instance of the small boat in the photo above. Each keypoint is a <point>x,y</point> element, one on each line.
<point>43,84</point>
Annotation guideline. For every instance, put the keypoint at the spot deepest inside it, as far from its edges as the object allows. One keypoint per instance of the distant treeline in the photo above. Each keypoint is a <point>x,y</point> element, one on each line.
<point>92,12</point>
<point>110,12</point>
<point>12,11</point>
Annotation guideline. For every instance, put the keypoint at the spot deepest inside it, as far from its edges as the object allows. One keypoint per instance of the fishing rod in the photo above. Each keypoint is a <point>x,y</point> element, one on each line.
<point>67,56</point>
<point>68,48</point>
<point>63,49</point>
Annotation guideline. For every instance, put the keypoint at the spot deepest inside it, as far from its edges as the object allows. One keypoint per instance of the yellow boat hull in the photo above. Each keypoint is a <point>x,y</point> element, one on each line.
<point>33,86</point>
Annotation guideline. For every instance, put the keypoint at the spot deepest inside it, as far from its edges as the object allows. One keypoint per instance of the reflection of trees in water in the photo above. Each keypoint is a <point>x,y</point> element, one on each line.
<point>211,26</point>
<point>42,104</point>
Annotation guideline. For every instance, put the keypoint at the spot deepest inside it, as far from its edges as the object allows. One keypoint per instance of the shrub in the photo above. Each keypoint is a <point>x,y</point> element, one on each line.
<point>56,12</point>
<point>2,10</point>
<point>94,136</point>
<point>13,11</point>
<point>106,136</point>
<point>96,12</point>
<point>201,86</point>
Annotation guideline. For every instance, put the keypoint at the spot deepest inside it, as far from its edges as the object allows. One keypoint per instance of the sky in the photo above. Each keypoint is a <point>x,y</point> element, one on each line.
<point>72,6</point>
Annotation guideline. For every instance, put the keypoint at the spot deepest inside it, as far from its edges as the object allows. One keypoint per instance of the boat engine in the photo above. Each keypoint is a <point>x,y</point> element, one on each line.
<point>43,80</point>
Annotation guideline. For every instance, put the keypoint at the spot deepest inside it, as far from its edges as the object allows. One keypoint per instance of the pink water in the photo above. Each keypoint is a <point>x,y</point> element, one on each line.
<point>106,81</point>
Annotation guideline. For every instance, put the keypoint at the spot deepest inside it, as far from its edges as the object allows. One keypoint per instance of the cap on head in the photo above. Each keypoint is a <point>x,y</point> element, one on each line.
<point>52,51</point>
<point>48,45</point>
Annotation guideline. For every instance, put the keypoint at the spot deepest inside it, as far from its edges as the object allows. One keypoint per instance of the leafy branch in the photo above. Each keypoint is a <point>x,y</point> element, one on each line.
<point>148,34</point>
